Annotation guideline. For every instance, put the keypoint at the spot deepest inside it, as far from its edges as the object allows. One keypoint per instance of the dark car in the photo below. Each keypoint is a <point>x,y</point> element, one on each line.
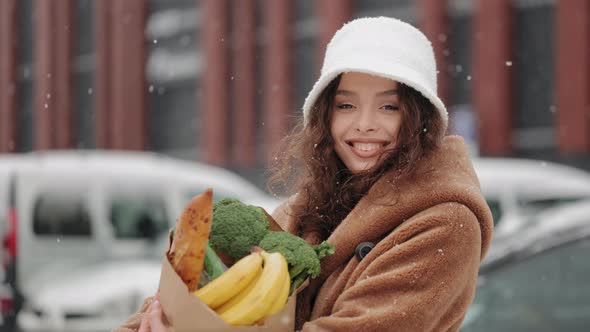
<point>538,280</point>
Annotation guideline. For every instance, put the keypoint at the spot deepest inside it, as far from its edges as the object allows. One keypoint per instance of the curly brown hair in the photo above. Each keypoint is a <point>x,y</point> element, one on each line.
<point>307,163</point>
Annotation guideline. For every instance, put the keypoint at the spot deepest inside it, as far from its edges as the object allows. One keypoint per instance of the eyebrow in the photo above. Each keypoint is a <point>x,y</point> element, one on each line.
<point>379,94</point>
<point>345,93</point>
<point>388,93</point>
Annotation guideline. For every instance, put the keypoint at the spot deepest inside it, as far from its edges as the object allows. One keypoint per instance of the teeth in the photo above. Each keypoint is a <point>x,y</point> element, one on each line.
<point>367,146</point>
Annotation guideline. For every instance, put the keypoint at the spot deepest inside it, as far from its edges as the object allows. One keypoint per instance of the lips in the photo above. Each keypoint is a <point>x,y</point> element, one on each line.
<point>366,148</point>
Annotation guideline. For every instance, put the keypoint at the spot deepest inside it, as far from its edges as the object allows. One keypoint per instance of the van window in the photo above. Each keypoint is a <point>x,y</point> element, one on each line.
<point>137,216</point>
<point>61,214</point>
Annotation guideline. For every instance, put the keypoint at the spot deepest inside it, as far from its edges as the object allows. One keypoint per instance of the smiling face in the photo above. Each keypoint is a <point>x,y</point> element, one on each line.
<point>366,119</point>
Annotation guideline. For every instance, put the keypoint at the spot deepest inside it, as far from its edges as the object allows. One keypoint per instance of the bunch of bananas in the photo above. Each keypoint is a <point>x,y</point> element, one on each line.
<point>253,289</point>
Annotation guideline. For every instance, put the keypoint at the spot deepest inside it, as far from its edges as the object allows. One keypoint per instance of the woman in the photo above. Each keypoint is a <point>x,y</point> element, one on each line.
<point>376,177</point>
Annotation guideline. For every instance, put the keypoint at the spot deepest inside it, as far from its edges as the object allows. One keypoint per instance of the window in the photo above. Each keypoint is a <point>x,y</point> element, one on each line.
<point>25,75</point>
<point>84,73</point>
<point>173,68</point>
<point>534,117</point>
<point>61,214</point>
<point>546,292</point>
<point>138,216</point>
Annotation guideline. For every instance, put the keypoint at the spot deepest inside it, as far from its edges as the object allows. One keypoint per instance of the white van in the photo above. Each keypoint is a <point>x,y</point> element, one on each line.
<point>68,210</point>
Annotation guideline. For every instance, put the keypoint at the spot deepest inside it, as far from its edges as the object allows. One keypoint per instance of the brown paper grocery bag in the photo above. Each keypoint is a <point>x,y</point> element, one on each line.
<point>186,313</point>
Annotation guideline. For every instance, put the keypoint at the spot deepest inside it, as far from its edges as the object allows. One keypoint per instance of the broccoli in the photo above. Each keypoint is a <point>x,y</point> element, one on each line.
<point>236,227</point>
<point>324,249</point>
<point>303,259</point>
<point>226,201</point>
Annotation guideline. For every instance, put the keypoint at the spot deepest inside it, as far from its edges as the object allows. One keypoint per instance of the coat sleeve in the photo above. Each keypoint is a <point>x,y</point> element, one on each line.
<point>421,278</point>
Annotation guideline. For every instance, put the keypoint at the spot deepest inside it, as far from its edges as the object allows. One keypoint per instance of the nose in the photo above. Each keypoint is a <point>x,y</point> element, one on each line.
<point>365,121</point>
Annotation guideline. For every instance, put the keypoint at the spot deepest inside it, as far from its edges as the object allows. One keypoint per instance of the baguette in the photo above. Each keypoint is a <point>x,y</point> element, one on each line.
<point>189,243</point>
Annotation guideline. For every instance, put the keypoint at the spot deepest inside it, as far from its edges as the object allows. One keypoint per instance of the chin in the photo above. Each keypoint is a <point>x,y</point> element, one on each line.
<point>358,167</point>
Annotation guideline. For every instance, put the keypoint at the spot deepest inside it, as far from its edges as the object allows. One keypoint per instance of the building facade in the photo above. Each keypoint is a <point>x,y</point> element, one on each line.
<point>222,81</point>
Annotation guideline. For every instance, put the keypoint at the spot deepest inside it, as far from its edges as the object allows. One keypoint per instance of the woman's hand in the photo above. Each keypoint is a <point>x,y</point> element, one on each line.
<point>153,320</point>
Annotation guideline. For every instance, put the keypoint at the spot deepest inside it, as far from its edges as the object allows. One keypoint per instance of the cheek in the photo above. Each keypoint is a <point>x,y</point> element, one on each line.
<point>394,129</point>
<point>336,127</point>
<point>335,134</point>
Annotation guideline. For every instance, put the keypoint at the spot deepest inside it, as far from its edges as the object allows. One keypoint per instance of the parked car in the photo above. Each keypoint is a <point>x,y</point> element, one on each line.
<point>518,188</point>
<point>71,210</point>
<point>537,280</point>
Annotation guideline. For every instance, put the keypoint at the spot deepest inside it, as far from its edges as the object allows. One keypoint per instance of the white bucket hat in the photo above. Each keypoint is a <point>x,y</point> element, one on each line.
<point>380,46</point>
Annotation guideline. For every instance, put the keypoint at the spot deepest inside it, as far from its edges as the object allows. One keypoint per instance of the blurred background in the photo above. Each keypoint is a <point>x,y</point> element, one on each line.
<point>114,112</point>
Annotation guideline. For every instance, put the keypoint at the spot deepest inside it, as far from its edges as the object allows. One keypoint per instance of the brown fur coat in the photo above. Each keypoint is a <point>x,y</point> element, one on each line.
<point>431,231</point>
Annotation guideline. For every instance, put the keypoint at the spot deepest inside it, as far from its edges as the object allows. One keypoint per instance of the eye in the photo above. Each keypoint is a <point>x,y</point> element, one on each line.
<point>344,106</point>
<point>390,107</point>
